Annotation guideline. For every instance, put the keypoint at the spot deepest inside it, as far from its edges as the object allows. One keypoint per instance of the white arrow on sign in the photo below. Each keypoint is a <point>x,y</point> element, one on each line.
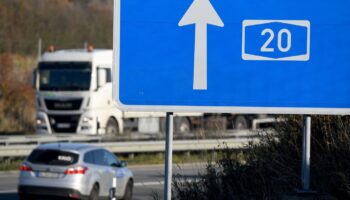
<point>201,13</point>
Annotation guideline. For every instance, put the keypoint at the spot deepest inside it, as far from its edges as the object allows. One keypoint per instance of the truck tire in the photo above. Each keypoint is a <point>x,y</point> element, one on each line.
<point>26,197</point>
<point>241,123</point>
<point>182,125</point>
<point>112,128</point>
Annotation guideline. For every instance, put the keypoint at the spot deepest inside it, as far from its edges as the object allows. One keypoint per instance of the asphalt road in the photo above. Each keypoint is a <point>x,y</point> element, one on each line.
<point>148,180</point>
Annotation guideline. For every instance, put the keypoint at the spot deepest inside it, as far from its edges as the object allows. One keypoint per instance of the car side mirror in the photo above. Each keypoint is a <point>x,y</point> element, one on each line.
<point>121,164</point>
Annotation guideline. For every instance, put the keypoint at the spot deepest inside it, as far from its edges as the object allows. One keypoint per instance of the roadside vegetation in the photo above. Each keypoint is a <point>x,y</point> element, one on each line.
<point>17,98</point>
<point>273,167</point>
<point>132,160</point>
<point>62,23</point>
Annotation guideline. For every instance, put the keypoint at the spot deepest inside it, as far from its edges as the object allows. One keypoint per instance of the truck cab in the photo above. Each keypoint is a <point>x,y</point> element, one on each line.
<point>73,93</point>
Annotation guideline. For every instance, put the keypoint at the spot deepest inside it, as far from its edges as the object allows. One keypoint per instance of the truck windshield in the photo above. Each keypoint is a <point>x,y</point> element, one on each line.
<point>64,76</point>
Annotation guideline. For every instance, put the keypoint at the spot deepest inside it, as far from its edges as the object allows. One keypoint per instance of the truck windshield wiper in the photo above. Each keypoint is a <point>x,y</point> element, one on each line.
<point>50,88</point>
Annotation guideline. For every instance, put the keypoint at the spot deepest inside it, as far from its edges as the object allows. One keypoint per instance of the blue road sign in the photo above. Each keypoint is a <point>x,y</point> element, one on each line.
<point>256,56</point>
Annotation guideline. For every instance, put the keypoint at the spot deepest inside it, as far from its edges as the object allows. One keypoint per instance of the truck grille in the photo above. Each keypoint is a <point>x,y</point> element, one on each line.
<point>64,123</point>
<point>70,104</point>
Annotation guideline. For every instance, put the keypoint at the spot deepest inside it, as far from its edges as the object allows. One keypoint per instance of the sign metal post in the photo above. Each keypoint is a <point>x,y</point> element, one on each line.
<point>305,173</point>
<point>168,155</point>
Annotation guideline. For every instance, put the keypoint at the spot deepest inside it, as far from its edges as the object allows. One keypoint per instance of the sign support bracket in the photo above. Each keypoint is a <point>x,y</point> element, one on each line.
<point>168,155</point>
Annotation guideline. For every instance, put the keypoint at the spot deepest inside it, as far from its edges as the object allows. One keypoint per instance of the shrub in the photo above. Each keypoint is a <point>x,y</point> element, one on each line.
<point>17,104</point>
<point>273,166</point>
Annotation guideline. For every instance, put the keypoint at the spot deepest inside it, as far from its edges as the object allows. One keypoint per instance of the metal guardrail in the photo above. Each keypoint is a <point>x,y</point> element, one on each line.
<point>257,122</point>
<point>144,146</point>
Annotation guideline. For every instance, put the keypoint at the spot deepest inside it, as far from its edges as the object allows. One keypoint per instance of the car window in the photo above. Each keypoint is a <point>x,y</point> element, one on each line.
<point>53,157</point>
<point>89,157</point>
<point>99,157</point>
<point>111,158</point>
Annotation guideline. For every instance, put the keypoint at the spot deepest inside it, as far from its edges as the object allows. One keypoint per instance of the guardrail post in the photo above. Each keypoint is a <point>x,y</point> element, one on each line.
<point>188,154</point>
<point>113,190</point>
<point>168,155</point>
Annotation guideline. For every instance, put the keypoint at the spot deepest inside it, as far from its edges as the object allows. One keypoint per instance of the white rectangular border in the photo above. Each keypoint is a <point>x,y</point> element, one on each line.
<point>207,109</point>
<point>303,57</point>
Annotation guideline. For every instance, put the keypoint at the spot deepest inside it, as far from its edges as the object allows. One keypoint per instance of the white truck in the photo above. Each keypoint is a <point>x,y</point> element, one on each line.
<point>74,95</point>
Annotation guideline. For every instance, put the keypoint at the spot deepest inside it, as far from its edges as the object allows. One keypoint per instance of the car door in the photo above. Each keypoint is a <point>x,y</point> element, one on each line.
<point>119,173</point>
<point>105,171</point>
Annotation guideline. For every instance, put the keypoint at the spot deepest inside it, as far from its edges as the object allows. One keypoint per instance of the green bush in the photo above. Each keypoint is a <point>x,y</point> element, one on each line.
<point>273,166</point>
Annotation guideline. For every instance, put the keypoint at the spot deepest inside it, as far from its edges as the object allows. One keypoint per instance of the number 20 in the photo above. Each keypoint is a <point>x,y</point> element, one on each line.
<point>282,32</point>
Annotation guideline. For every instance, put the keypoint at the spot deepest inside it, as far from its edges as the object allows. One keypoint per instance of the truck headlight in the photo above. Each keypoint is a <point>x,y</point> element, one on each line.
<point>40,122</point>
<point>87,119</point>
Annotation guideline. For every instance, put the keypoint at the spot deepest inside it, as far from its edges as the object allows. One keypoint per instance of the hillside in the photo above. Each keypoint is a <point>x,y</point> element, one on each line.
<point>63,23</point>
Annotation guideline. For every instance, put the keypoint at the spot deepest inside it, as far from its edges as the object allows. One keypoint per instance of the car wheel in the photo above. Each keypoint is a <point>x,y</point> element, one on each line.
<point>26,197</point>
<point>128,191</point>
<point>112,128</point>
<point>94,193</point>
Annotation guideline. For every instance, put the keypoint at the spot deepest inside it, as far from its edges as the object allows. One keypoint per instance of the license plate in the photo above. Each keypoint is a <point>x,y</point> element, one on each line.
<point>63,125</point>
<point>48,174</point>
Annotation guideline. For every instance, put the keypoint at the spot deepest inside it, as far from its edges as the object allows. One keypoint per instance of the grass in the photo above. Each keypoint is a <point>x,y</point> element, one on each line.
<point>137,159</point>
<point>153,159</point>
<point>7,165</point>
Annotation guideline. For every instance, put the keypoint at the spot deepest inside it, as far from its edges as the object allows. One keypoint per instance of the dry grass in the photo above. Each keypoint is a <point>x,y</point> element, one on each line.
<point>17,98</point>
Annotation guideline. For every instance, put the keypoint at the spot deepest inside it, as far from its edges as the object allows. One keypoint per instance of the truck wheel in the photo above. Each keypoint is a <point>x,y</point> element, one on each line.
<point>182,125</point>
<point>241,123</point>
<point>112,127</point>
<point>26,197</point>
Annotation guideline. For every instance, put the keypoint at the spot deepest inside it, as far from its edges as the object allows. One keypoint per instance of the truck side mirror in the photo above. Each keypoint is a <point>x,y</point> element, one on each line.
<point>34,78</point>
<point>101,77</point>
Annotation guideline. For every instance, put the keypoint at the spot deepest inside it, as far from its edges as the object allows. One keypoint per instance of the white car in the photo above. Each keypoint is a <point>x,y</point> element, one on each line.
<point>78,171</point>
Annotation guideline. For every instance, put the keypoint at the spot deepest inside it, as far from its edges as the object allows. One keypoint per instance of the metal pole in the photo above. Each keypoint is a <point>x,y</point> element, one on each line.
<point>305,174</point>
<point>168,155</point>
<point>39,48</point>
<point>85,45</point>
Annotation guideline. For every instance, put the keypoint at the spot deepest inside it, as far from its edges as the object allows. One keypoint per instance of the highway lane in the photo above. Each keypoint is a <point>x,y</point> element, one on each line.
<point>148,180</point>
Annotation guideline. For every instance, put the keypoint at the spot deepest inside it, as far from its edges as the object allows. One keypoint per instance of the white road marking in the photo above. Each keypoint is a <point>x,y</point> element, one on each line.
<point>149,183</point>
<point>157,183</point>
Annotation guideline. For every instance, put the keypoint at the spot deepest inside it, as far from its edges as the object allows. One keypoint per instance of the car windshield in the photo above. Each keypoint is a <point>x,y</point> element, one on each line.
<point>53,157</point>
<point>64,76</point>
